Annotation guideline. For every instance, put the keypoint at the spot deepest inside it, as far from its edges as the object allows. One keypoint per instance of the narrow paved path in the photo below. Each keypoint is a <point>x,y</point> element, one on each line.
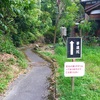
<point>34,84</point>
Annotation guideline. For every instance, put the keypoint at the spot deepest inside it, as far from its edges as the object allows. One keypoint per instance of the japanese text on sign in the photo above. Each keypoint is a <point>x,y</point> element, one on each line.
<point>74,47</point>
<point>74,69</point>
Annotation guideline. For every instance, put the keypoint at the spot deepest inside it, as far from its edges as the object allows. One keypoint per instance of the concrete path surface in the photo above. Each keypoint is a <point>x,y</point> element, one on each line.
<point>33,85</point>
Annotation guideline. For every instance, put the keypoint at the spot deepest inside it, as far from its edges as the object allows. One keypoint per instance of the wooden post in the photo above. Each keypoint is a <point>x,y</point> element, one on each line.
<point>72,79</point>
<point>72,83</point>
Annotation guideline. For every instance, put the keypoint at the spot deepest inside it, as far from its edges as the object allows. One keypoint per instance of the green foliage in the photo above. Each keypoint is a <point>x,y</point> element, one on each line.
<point>19,20</point>
<point>88,29</point>
<point>49,35</point>
<point>94,27</point>
<point>25,20</point>
<point>69,16</point>
<point>22,62</point>
<point>85,27</point>
<point>92,53</point>
<point>6,46</point>
<point>86,87</point>
<point>60,50</point>
<point>3,84</point>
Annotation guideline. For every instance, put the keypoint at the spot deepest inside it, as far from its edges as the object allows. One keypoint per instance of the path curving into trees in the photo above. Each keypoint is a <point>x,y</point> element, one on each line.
<point>33,85</point>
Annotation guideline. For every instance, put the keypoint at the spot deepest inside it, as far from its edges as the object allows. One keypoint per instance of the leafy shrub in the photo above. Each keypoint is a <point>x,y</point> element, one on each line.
<point>49,36</point>
<point>6,46</point>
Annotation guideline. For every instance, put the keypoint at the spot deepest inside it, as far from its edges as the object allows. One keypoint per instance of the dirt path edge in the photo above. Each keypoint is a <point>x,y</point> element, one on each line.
<point>52,79</point>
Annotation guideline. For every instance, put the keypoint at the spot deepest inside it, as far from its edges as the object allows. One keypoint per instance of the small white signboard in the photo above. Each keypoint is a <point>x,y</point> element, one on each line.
<point>74,69</point>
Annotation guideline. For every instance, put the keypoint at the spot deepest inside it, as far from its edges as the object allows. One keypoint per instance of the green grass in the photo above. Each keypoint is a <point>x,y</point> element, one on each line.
<point>86,87</point>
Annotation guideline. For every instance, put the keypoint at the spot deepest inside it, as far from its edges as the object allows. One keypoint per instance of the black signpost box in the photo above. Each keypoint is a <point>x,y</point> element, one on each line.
<point>74,47</point>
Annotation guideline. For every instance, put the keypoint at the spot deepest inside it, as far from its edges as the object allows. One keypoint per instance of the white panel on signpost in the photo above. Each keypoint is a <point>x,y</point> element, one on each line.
<point>74,69</point>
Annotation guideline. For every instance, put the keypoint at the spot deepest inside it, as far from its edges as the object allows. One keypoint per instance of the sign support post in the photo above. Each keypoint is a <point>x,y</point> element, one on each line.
<point>72,79</point>
<point>72,83</point>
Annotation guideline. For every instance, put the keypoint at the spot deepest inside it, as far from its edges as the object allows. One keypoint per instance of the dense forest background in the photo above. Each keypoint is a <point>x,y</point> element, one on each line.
<point>27,21</point>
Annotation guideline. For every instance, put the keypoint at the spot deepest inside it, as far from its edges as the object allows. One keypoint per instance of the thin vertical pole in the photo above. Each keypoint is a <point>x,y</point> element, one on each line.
<point>72,79</point>
<point>72,83</point>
